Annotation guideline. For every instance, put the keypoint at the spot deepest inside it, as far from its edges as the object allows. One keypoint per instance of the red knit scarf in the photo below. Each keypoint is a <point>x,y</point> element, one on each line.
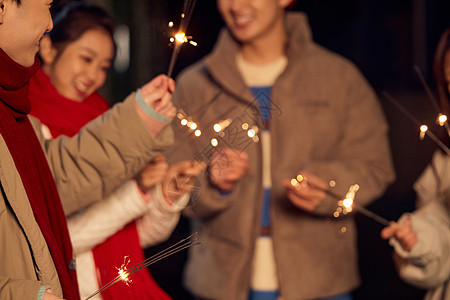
<point>33,169</point>
<point>65,116</point>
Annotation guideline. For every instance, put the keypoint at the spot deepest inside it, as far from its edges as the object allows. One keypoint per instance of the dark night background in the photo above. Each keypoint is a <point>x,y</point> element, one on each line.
<point>384,38</point>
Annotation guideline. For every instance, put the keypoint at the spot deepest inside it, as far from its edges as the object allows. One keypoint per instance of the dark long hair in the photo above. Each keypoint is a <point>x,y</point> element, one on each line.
<point>72,19</point>
<point>438,71</point>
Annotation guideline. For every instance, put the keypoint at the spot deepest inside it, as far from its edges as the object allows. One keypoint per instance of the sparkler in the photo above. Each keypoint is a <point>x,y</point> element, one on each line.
<point>441,119</point>
<point>345,204</point>
<point>180,37</point>
<point>423,128</point>
<point>124,273</point>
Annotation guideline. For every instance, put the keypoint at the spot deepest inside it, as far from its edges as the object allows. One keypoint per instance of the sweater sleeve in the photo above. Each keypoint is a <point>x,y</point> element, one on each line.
<point>427,265</point>
<point>159,222</point>
<point>104,154</point>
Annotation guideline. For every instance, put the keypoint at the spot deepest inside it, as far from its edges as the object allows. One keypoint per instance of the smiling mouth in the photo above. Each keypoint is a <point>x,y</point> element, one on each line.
<point>242,20</point>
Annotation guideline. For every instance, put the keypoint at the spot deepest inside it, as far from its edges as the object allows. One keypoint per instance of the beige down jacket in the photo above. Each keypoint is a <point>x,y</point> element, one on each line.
<point>86,168</point>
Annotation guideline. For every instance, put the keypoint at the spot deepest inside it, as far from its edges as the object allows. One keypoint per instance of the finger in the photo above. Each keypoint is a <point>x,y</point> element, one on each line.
<point>171,85</point>
<point>314,180</point>
<point>389,231</point>
<point>159,158</point>
<point>243,155</point>
<point>151,99</point>
<point>300,202</point>
<point>157,82</point>
<point>165,102</point>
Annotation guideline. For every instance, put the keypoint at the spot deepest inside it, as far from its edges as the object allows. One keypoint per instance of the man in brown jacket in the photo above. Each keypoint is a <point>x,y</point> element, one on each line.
<point>35,251</point>
<point>316,116</point>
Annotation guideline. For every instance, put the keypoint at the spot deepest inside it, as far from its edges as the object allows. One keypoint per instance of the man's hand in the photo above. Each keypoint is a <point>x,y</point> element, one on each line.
<point>307,194</point>
<point>226,167</point>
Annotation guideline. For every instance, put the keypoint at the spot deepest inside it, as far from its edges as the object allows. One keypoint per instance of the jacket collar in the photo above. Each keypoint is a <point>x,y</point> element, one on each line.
<point>221,63</point>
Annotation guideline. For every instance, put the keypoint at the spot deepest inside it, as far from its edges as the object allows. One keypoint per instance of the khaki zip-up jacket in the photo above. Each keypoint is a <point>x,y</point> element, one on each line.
<point>325,118</point>
<point>107,152</point>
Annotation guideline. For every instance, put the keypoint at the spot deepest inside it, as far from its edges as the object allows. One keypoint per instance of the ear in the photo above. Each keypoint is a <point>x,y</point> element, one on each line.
<point>2,10</point>
<point>47,51</point>
<point>286,3</point>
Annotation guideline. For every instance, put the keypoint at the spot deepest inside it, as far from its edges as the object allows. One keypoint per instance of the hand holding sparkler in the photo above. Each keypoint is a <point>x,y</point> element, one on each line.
<point>345,204</point>
<point>153,173</point>
<point>307,191</point>
<point>180,179</point>
<point>158,95</point>
<point>226,167</point>
<point>403,232</point>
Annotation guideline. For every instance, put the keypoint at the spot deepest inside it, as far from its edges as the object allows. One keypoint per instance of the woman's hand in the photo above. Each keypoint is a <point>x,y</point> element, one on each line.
<point>180,179</point>
<point>403,233</point>
<point>153,173</point>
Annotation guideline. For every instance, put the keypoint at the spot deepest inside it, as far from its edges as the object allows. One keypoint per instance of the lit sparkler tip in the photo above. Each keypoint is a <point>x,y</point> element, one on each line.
<point>197,133</point>
<point>170,24</point>
<point>124,275</point>
<point>301,178</point>
<point>214,142</point>
<point>181,37</point>
<point>193,43</point>
<point>184,122</point>
<point>294,182</point>
<point>193,126</point>
<point>182,15</point>
<point>423,130</point>
<point>217,127</point>
<point>442,119</point>
<point>222,125</point>
<point>347,202</point>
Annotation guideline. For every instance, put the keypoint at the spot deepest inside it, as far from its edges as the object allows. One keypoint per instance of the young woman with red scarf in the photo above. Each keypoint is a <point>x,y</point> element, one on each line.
<point>76,56</point>
<point>35,249</point>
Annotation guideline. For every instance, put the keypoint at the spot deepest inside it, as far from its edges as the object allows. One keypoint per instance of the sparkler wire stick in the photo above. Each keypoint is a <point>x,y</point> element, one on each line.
<point>181,245</point>
<point>357,207</point>
<point>188,8</point>
<point>427,88</point>
<point>371,214</point>
<point>430,94</point>
<point>432,136</point>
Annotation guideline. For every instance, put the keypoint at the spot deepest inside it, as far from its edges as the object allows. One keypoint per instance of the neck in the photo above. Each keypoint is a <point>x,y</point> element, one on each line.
<point>267,48</point>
